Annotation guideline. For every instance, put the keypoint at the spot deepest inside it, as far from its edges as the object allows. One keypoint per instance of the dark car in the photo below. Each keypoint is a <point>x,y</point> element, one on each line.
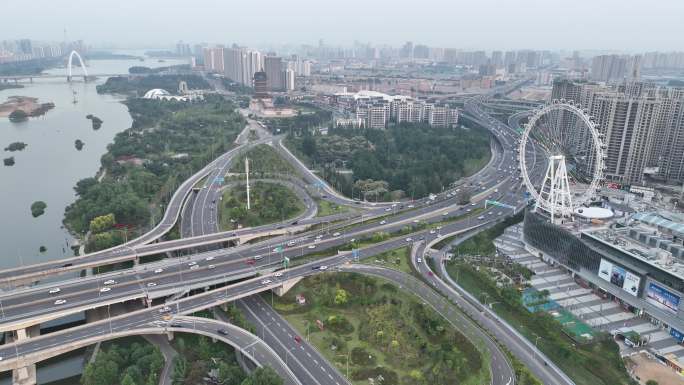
<point>294,223</point>
<point>176,325</point>
<point>315,267</point>
<point>223,332</point>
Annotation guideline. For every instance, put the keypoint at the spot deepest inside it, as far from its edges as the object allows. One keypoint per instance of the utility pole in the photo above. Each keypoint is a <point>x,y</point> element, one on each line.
<point>247,174</point>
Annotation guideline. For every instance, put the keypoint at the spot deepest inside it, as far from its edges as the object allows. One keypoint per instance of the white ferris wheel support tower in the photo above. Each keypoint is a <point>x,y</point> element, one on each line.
<point>555,189</point>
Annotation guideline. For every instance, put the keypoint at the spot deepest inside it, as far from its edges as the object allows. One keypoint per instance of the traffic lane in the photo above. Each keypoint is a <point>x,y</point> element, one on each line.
<point>517,347</point>
<point>145,276</point>
<point>181,306</point>
<point>502,372</point>
<point>314,368</point>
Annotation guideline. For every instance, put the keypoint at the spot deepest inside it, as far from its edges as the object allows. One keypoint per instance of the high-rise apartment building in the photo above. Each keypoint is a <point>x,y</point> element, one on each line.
<point>611,68</point>
<point>642,125</point>
<point>273,66</point>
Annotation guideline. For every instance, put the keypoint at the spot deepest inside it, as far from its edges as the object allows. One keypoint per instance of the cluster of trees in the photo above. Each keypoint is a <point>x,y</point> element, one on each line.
<point>134,364</point>
<point>263,160</point>
<point>198,355</point>
<point>414,159</point>
<point>141,167</point>
<point>16,146</point>
<point>269,203</point>
<point>38,208</point>
<point>138,86</point>
<point>411,337</point>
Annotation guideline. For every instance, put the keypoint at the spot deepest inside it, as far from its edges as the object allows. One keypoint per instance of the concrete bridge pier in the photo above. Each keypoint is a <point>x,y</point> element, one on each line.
<point>169,335</point>
<point>25,375</point>
<point>286,286</point>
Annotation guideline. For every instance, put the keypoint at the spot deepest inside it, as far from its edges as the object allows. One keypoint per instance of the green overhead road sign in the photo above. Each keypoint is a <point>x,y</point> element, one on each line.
<point>498,204</point>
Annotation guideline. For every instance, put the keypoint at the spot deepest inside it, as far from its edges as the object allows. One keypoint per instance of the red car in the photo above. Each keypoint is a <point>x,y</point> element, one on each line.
<point>298,339</point>
<point>430,273</point>
<point>251,261</point>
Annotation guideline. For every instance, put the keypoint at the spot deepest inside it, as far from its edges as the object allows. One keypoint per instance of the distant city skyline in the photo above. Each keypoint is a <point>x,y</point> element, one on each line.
<point>615,25</point>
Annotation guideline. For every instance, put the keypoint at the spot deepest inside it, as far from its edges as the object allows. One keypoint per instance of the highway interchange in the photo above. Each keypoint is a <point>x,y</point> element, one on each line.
<point>173,276</point>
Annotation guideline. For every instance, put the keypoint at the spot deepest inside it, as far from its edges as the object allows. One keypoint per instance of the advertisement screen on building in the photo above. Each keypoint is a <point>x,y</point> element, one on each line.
<point>631,284</point>
<point>662,298</point>
<point>618,276</point>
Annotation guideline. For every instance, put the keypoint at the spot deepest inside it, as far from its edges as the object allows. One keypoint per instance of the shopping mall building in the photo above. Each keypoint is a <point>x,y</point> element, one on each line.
<point>637,262</point>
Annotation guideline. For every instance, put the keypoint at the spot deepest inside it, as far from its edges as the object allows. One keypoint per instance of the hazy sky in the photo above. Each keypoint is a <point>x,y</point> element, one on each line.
<point>629,25</point>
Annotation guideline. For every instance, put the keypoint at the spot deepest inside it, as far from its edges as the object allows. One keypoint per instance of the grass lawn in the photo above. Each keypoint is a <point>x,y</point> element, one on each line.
<point>326,208</point>
<point>379,330</point>
<point>398,259</point>
<point>270,203</point>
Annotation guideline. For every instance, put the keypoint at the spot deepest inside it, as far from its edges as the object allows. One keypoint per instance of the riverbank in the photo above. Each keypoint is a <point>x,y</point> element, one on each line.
<point>167,142</point>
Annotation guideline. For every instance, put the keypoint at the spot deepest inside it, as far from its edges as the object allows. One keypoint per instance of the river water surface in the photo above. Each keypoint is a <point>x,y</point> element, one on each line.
<point>50,166</point>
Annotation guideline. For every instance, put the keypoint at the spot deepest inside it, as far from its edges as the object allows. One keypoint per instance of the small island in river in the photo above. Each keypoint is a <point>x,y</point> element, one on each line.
<point>79,144</point>
<point>97,122</point>
<point>16,146</point>
<point>18,108</point>
<point>8,161</point>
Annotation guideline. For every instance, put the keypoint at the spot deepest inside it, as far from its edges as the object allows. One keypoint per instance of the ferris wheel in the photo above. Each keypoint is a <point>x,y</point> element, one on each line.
<point>565,133</point>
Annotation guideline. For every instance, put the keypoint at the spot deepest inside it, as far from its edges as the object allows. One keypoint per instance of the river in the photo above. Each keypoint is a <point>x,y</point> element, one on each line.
<point>50,166</point>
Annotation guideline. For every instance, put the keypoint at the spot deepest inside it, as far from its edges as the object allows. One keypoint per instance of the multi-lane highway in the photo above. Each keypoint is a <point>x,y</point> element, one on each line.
<point>21,308</point>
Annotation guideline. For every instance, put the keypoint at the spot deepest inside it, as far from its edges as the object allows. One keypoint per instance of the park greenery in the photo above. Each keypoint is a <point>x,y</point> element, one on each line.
<point>38,208</point>
<point>198,356</point>
<point>594,363</point>
<point>264,160</point>
<point>270,202</point>
<point>16,146</point>
<point>134,363</point>
<point>368,323</point>
<point>167,143</point>
<point>138,86</point>
<point>409,159</point>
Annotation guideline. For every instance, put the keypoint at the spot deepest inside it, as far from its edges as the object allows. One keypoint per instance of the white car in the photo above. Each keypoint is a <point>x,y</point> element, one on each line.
<point>211,267</point>
<point>277,274</point>
<point>55,290</point>
<point>323,267</point>
<point>388,209</point>
<point>432,231</point>
<point>105,289</point>
<point>60,302</point>
<point>209,258</point>
<point>193,263</point>
<point>319,236</point>
<point>480,217</point>
<point>410,206</point>
<point>265,281</point>
<point>444,214</point>
<point>110,282</point>
<point>258,257</point>
<point>415,221</point>
<point>165,309</point>
<point>194,267</point>
<point>151,284</point>
<point>409,239</point>
<point>419,260</point>
<point>311,247</point>
<point>157,271</point>
<point>383,222</point>
<point>336,234</point>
